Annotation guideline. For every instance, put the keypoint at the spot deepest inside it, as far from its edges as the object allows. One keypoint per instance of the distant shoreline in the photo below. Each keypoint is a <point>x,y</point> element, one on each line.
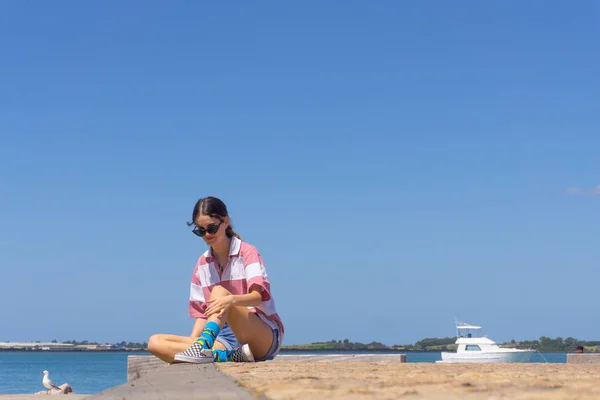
<point>298,350</point>
<point>58,350</point>
<point>283,350</point>
<point>384,351</point>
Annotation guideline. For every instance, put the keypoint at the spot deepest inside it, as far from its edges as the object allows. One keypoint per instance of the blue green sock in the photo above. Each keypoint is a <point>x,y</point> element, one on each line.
<point>223,355</point>
<point>209,334</point>
<point>241,354</point>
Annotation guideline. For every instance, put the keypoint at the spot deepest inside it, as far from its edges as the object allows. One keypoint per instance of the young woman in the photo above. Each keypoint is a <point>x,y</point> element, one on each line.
<point>230,299</point>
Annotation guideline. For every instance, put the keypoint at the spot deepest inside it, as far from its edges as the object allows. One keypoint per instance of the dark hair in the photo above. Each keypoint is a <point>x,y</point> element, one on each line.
<point>579,347</point>
<point>215,208</point>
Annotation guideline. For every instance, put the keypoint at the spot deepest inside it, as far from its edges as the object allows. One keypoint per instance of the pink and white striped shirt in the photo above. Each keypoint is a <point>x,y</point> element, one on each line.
<point>244,269</point>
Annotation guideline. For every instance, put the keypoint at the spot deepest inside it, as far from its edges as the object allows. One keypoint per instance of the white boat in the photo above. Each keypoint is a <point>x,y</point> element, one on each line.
<point>474,347</point>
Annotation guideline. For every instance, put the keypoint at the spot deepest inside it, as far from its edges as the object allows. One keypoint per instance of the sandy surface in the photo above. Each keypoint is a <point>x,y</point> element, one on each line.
<point>347,380</point>
<point>69,396</point>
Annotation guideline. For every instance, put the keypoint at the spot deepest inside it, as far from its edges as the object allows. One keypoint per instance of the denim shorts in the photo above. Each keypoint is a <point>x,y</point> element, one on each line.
<point>274,349</point>
<point>227,338</point>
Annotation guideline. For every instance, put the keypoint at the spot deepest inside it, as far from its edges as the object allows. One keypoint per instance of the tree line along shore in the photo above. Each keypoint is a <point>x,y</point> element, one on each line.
<point>543,344</point>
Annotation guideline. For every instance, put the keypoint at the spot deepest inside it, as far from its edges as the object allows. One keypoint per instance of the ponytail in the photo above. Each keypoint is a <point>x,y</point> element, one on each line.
<point>230,233</point>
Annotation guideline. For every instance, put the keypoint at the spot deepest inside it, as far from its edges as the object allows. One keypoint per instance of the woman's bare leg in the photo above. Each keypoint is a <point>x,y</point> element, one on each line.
<point>166,346</point>
<point>246,326</point>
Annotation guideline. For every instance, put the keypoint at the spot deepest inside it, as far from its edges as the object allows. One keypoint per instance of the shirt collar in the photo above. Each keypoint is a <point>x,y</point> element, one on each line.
<point>234,247</point>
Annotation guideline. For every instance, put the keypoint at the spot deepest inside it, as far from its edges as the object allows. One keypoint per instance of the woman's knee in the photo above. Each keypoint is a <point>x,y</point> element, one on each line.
<point>219,291</point>
<point>154,343</point>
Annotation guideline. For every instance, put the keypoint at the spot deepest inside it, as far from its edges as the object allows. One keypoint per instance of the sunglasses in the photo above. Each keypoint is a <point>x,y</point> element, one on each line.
<point>212,229</point>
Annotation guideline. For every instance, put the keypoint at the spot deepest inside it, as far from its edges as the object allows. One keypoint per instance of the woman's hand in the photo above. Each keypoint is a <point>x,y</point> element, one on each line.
<point>219,306</point>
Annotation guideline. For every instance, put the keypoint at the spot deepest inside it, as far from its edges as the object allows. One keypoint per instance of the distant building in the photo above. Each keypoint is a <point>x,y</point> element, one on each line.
<point>35,346</point>
<point>86,347</point>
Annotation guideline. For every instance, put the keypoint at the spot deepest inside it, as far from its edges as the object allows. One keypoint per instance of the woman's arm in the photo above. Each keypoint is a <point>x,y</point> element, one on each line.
<point>198,327</point>
<point>251,299</point>
<point>221,304</point>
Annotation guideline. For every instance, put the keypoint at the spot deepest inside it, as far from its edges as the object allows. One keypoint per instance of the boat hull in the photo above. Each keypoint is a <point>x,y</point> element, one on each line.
<point>491,357</point>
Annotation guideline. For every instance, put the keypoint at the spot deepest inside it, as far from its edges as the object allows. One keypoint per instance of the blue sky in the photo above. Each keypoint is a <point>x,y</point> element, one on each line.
<point>398,164</point>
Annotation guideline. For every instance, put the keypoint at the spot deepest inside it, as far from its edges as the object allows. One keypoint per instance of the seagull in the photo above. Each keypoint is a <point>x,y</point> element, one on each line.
<point>48,384</point>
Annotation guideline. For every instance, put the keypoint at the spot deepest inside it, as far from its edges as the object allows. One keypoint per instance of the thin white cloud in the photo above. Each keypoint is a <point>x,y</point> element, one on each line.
<point>577,191</point>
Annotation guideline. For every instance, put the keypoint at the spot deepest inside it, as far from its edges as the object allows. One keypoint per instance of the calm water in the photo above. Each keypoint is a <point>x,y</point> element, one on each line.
<point>93,372</point>
<point>87,373</point>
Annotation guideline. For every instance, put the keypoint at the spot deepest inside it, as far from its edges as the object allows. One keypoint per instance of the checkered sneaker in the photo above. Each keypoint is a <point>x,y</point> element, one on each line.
<point>243,354</point>
<point>196,354</point>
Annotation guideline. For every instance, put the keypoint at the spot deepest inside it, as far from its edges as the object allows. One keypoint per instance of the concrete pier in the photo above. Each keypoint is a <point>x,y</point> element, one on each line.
<point>583,358</point>
<point>150,378</point>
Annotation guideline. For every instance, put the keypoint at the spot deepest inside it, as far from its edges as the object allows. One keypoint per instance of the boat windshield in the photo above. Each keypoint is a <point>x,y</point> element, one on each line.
<point>464,330</point>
